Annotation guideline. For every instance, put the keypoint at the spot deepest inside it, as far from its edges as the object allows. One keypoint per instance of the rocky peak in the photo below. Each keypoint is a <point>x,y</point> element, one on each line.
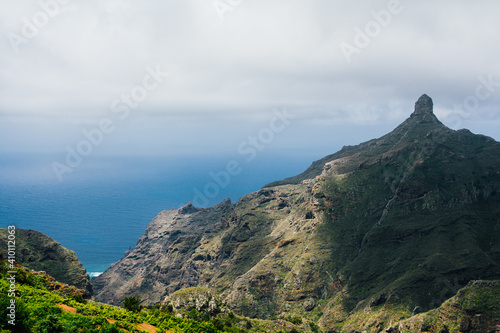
<point>424,105</point>
<point>188,209</point>
<point>424,111</point>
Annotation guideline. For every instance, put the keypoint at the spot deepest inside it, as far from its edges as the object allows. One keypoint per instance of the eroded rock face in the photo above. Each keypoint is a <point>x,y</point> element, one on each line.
<point>164,259</point>
<point>244,252</point>
<point>406,219</point>
<point>195,298</point>
<point>39,252</point>
<point>424,105</point>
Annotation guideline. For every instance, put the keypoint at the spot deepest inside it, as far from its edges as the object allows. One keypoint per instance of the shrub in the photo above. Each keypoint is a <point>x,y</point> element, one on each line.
<point>78,298</point>
<point>49,324</point>
<point>294,320</point>
<point>132,303</point>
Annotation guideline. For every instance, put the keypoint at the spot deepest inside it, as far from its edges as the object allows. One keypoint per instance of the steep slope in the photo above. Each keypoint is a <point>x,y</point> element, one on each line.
<point>475,309</point>
<point>404,220</point>
<point>161,262</point>
<point>39,252</point>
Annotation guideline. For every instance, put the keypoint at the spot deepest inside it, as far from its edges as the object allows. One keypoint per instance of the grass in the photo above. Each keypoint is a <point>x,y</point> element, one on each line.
<point>41,310</point>
<point>43,305</point>
<point>477,307</point>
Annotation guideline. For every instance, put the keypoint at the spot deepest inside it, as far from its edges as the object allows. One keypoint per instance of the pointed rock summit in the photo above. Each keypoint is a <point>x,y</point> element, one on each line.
<point>424,105</point>
<point>423,112</point>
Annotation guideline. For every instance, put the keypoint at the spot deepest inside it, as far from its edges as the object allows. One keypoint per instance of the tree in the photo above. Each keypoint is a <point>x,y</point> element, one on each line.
<point>132,303</point>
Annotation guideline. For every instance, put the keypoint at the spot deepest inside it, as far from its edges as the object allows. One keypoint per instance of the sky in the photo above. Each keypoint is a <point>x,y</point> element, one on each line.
<point>237,77</point>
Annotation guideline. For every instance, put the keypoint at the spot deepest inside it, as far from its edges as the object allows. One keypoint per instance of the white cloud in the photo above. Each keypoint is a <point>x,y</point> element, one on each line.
<point>263,54</point>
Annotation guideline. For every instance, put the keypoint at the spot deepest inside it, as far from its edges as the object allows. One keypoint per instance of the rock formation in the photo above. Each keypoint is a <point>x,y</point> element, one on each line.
<point>39,252</point>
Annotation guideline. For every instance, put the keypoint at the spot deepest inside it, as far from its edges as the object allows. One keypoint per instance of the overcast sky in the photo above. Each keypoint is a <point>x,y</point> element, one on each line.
<point>346,71</point>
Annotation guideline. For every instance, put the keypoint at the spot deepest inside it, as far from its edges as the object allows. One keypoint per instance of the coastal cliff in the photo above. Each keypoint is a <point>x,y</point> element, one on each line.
<point>39,252</point>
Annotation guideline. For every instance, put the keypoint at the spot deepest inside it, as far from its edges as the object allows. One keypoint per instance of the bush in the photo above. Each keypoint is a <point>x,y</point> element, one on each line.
<point>110,329</point>
<point>294,320</point>
<point>78,298</point>
<point>21,315</point>
<point>132,303</point>
<point>49,324</point>
<point>314,327</point>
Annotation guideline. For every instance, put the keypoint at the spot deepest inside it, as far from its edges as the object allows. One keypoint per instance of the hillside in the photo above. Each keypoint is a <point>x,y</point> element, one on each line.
<point>41,304</point>
<point>475,309</point>
<point>39,252</point>
<point>400,222</point>
<point>45,305</point>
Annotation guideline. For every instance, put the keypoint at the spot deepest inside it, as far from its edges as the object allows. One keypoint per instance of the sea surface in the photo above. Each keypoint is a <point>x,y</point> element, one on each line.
<point>101,209</point>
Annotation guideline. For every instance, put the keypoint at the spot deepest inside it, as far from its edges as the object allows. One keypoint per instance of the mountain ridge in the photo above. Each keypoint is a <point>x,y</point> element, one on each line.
<point>422,117</point>
<point>403,220</point>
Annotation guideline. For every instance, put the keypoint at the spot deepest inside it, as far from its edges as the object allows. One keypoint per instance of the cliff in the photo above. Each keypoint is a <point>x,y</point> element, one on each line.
<point>39,252</point>
<point>401,222</point>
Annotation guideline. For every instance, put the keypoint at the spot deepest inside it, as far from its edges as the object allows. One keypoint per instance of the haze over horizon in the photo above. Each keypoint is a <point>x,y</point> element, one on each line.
<point>200,78</point>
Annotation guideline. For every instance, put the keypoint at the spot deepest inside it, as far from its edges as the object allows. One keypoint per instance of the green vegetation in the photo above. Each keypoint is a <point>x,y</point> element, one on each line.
<point>132,303</point>
<point>39,252</point>
<point>475,308</point>
<point>43,305</point>
<point>41,310</point>
<point>294,320</point>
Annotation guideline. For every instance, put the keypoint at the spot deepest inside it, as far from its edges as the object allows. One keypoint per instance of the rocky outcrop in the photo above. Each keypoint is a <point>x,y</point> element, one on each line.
<point>402,221</point>
<point>39,252</point>
<point>195,298</point>
<point>237,250</point>
<point>164,259</point>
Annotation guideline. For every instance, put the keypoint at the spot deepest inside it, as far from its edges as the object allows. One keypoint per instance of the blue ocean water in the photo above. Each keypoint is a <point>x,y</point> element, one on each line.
<point>102,209</point>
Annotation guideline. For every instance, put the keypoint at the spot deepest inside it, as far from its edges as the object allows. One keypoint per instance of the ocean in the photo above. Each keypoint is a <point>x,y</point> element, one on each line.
<point>100,210</point>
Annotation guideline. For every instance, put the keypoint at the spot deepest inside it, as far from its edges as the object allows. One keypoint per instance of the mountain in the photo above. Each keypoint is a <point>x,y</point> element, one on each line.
<point>395,226</point>
<point>39,252</point>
